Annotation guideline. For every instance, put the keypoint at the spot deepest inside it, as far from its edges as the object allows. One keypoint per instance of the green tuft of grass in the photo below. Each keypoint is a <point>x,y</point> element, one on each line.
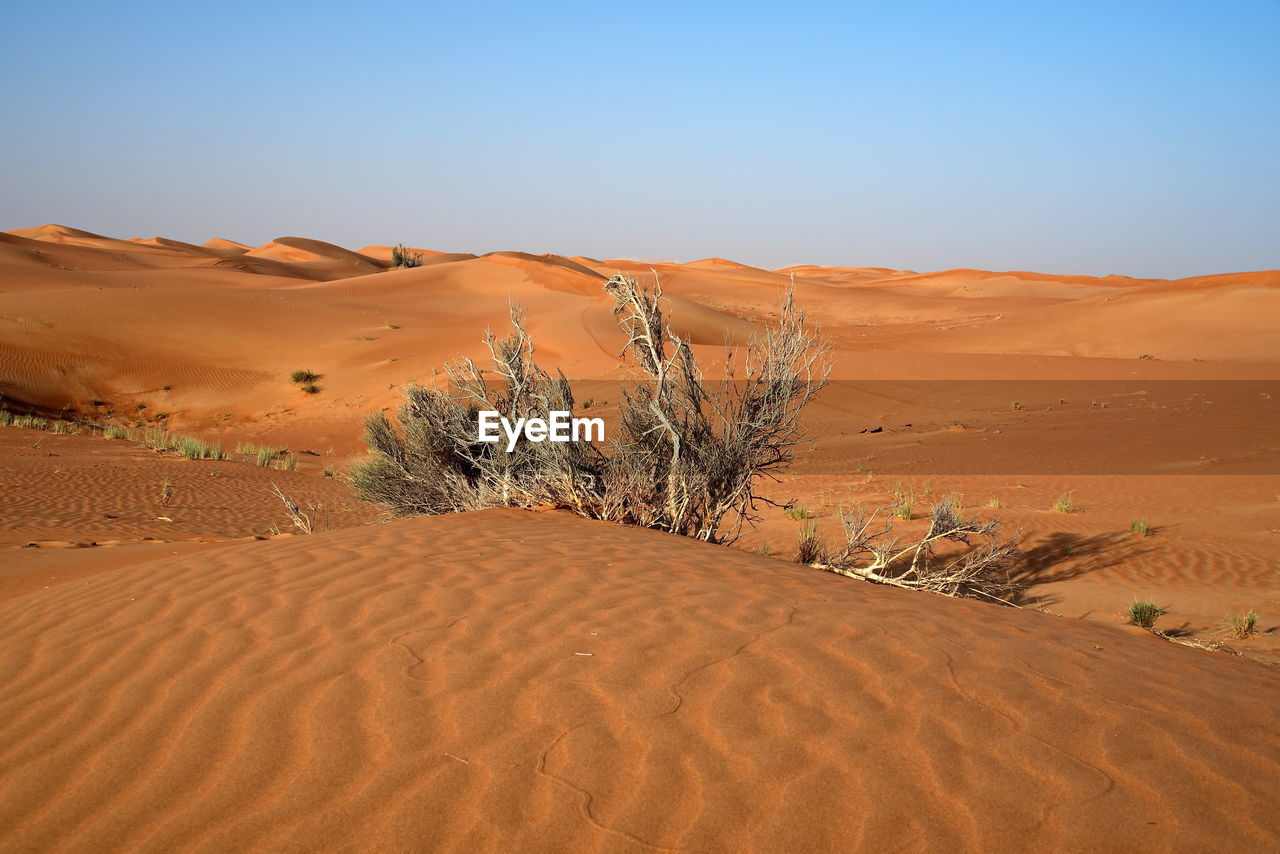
<point>266,455</point>
<point>1145,613</point>
<point>329,471</point>
<point>111,431</point>
<point>1141,527</point>
<point>995,503</point>
<point>391,325</point>
<point>1243,626</point>
<point>310,388</point>
<point>798,512</point>
<point>287,464</point>
<point>1064,503</point>
<point>197,449</point>
<point>1017,406</point>
<point>301,376</point>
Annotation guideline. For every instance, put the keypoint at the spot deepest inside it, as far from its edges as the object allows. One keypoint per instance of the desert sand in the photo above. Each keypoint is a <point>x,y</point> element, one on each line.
<point>193,674</point>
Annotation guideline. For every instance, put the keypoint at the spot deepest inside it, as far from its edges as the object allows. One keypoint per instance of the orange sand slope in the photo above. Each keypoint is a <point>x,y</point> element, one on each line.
<point>512,681</point>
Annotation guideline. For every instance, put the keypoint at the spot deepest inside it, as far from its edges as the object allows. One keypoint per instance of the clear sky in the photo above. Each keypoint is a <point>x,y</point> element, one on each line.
<point>1117,137</point>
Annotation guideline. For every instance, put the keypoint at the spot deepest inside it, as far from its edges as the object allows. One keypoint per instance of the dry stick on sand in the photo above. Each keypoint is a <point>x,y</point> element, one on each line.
<point>301,520</point>
<point>981,569</point>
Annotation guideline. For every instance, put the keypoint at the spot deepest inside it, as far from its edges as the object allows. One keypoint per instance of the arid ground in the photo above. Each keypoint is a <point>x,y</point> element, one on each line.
<point>184,670</point>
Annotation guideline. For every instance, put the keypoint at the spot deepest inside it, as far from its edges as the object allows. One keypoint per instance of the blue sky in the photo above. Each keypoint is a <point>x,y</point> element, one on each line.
<point>1134,138</point>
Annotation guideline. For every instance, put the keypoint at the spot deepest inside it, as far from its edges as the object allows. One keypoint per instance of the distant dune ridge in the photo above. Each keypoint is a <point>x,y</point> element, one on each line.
<point>181,675</point>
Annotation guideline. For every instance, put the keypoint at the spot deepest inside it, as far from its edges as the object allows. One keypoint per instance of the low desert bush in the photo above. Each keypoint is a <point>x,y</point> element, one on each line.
<point>1243,626</point>
<point>1141,527</point>
<point>798,512</point>
<point>402,257</point>
<point>1064,503</point>
<point>687,451</point>
<point>1145,613</point>
<point>303,376</point>
<point>310,388</point>
<point>111,431</point>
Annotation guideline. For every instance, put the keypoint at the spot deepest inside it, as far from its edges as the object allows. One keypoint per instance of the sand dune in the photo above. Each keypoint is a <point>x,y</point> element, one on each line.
<point>176,682</point>
<point>423,684</point>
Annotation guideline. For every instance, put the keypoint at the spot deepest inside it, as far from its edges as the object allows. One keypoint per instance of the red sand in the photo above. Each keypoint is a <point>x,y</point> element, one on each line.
<point>188,684</point>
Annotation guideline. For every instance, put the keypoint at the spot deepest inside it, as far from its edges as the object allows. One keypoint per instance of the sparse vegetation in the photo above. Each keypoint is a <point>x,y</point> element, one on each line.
<point>1017,406</point>
<point>402,257</point>
<point>111,431</point>
<point>687,454</point>
<point>303,376</point>
<point>798,512</point>
<point>165,495</point>
<point>265,456</point>
<point>995,503</point>
<point>1243,626</point>
<point>391,325</point>
<point>198,449</point>
<point>1141,527</point>
<point>1064,503</point>
<point>1144,613</point>
<point>310,388</point>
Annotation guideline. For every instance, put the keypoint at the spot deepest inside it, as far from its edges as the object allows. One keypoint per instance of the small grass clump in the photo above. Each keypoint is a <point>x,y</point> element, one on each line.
<point>287,464</point>
<point>1064,503</point>
<point>811,547</point>
<point>1141,527</point>
<point>1017,406</point>
<point>799,512</point>
<point>65,427</point>
<point>1243,626</point>
<point>995,503</point>
<point>301,376</point>
<point>111,431</point>
<point>165,495</point>
<point>198,449</point>
<point>33,422</point>
<point>265,456</point>
<point>310,388</point>
<point>1144,613</point>
<point>329,471</point>
<point>391,325</point>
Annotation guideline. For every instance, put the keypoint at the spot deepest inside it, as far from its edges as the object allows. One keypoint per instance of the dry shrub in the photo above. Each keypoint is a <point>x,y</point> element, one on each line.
<point>688,450</point>
<point>977,562</point>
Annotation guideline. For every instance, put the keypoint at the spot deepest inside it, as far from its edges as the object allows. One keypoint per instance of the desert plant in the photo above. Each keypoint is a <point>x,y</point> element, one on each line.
<point>1243,626</point>
<point>1141,527</point>
<point>403,257</point>
<point>1064,503</point>
<point>1144,613</point>
<point>391,325</point>
<point>798,512</point>
<point>197,449</point>
<point>287,464</point>
<point>310,388</point>
<point>65,427</point>
<point>811,548</point>
<point>995,503</point>
<point>977,565</point>
<point>165,495</point>
<point>1017,406</point>
<point>265,456</point>
<point>111,431</point>
<point>303,376</point>
<point>6,418</point>
<point>688,451</point>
